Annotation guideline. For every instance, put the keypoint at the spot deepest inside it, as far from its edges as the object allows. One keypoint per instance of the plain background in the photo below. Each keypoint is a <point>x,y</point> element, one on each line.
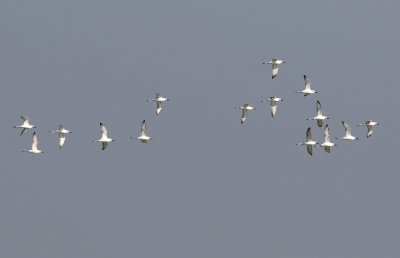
<point>205,186</point>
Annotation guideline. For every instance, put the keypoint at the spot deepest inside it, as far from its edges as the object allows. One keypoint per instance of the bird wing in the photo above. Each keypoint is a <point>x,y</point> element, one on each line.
<point>244,115</point>
<point>308,135</point>
<point>25,118</point>
<point>105,144</point>
<point>307,82</point>
<point>143,130</point>
<point>62,140</point>
<point>347,129</point>
<point>319,110</point>
<point>61,127</point>
<point>23,131</point>
<point>159,107</point>
<point>274,70</point>
<point>319,122</point>
<point>370,130</point>
<point>326,134</point>
<point>34,141</point>
<point>273,108</point>
<point>309,149</point>
<point>103,130</point>
<point>158,95</point>
<point>328,149</point>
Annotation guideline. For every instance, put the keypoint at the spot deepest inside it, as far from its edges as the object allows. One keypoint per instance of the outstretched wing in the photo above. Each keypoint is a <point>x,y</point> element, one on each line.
<point>347,129</point>
<point>273,108</point>
<point>274,70</point>
<point>309,149</point>
<point>307,82</point>
<point>370,130</point>
<point>105,144</point>
<point>23,131</point>
<point>103,130</point>
<point>159,107</point>
<point>143,130</point>
<point>62,140</point>
<point>244,115</point>
<point>25,118</point>
<point>319,110</point>
<point>308,134</point>
<point>326,134</point>
<point>34,141</point>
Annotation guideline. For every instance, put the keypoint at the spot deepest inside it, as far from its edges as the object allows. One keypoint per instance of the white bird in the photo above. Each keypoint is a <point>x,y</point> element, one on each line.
<point>25,126</point>
<point>104,138</point>
<point>307,90</point>
<point>273,101</point>
<point>61,131</point>
<point>159,99</point>
<point>309,142</point>
<point>369,125</point>
<point>347,135</point>
<point>275,62</point>
<point>327,140</point>
<point>34,145</point>
<point>245,109</point>
<point>143,137</point>
<point>319,117</point>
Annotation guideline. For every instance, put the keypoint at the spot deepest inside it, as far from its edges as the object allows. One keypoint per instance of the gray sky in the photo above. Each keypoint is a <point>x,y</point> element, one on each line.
<point>206,186</point>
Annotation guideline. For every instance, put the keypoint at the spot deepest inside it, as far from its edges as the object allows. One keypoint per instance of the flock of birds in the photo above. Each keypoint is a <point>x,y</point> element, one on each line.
<point>159,99</point>
<point>327,144</point>
<point>105,140</point>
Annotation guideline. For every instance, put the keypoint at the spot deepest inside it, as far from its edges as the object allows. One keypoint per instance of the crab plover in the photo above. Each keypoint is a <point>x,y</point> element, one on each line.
<point>307,90</point>
<point>245,108</point>
<point>275,62</point>
<point>25,125</point>
<point>273,101</point>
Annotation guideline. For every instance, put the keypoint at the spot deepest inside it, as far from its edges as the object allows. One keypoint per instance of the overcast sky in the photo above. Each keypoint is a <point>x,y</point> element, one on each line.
<point>205,186</point>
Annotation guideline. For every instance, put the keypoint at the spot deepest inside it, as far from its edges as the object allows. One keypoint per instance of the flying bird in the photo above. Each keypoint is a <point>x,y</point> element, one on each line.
<point>104,138</point>
<point>319,117</point>
<point>34,149</point>
<point>25,125</point>
<point>159,100</point>
<point>307,90</point>
<point>327,140</point>
<point>143,137</point>
<point>275,62</point>
<point>61,133</point>
<point>273,101</point>
<point>309,142</point>
<point>369,125</point>
<point>245,108</point>
<point>347,135</point>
